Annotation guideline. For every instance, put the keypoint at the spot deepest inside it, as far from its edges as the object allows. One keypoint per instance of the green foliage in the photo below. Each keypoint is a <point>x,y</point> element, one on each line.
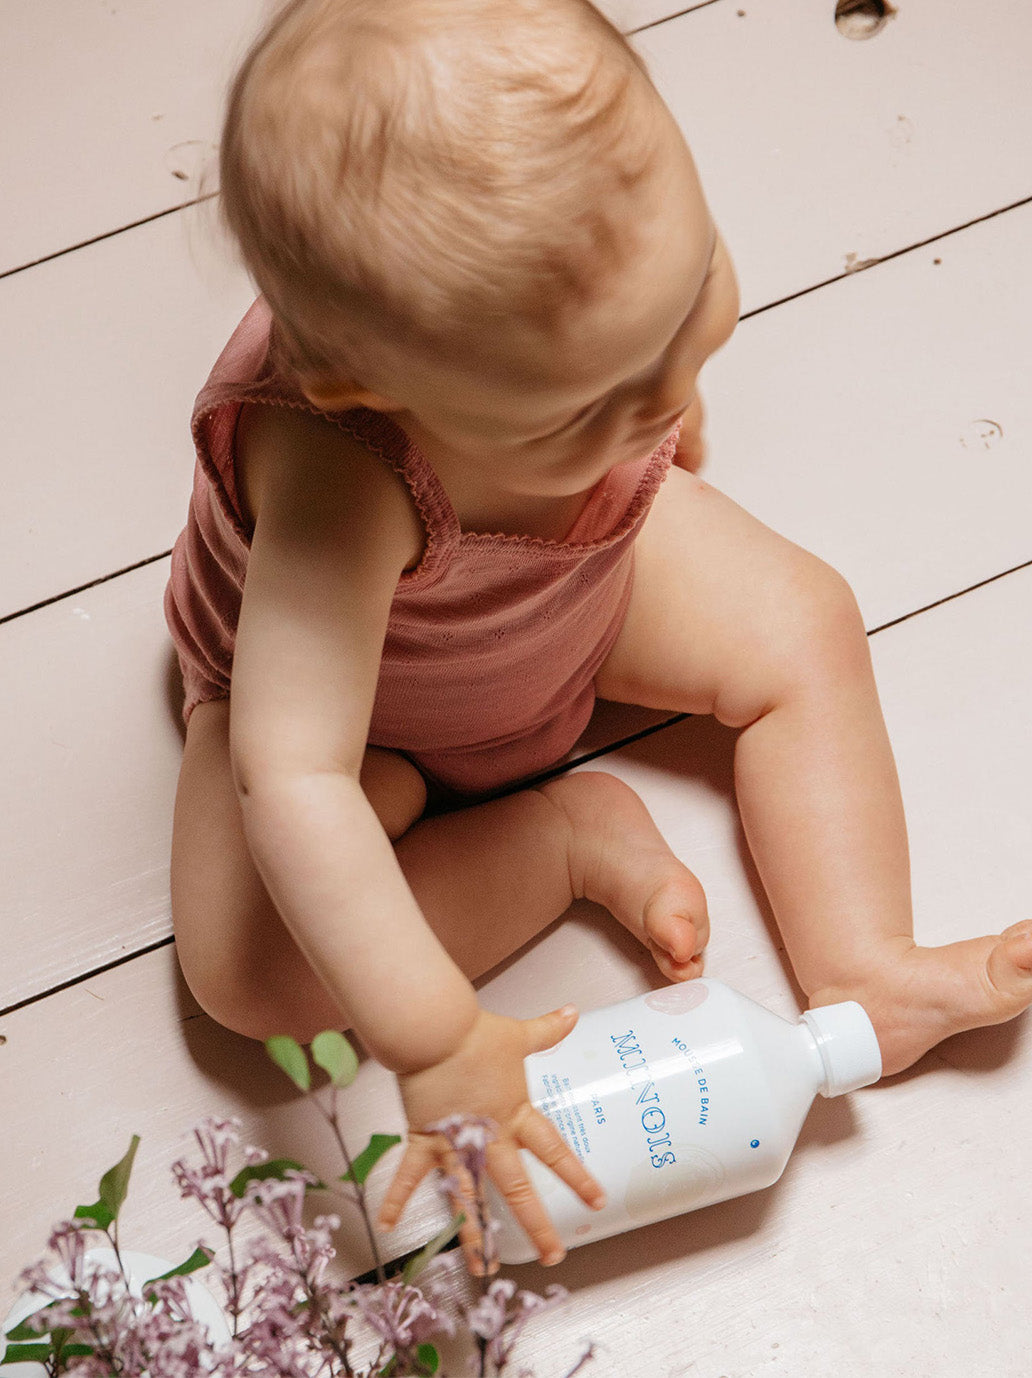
<point>200,1258</point>
<point>291,1058</point>
<point>330,1050</point>
<point>37,1353</point>
<point>334,1054</point>
<point>25,1329</point>
<point>97,1214</point>
<point>370,1155</point>
<point>427,1360</point>
<point>51,1349</point>
<point>418,1262</point>
<point>276,1168</point>
<point>112,1191</point>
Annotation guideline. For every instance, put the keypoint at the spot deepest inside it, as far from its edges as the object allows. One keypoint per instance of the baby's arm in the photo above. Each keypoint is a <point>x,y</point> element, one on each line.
<point>330,541</point>
<point>333,532</point>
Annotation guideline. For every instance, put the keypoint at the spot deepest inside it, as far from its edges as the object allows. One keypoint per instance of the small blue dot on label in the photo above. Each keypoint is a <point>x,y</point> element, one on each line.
<point>755,1143</point>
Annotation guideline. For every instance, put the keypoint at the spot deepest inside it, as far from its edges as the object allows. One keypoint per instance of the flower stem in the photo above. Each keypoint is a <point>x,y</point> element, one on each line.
<point>112,1235</point>
<point>585,1358</point>
<point>234,1284</point>
<point>334,1123</point>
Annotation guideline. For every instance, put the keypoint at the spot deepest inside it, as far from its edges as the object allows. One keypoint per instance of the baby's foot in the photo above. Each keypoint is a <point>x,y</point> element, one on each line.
<point>924,994</point>
<point>618,858</point>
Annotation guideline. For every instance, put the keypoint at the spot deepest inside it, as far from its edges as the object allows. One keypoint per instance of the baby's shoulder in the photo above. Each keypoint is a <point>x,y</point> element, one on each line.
<point>286,454</point>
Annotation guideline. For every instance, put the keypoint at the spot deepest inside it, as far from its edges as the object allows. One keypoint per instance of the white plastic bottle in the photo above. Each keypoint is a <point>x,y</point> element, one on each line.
<point>680,1098</point>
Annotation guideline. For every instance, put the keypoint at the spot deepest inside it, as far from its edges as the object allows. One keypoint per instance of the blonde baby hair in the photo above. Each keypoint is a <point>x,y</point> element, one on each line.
<point>416,171</point>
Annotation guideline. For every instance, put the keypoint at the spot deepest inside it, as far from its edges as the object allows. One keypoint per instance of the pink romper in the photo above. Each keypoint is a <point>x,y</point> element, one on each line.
<point>494,641</point>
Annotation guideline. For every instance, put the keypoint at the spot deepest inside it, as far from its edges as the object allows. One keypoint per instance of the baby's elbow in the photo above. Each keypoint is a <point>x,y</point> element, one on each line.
<point>272,759</point>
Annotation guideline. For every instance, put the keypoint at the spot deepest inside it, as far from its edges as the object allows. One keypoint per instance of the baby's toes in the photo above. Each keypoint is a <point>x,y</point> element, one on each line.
<point>676,930</point>
<point>1019,930</point>
<point>676,972</point>
<point>1009,968</point>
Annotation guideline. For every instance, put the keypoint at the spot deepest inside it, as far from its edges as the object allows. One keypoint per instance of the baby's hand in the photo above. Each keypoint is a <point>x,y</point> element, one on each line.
<point>484,1078</point>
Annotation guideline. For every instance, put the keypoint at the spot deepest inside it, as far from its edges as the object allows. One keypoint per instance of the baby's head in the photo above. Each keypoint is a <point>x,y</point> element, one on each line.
<point>455,179</point>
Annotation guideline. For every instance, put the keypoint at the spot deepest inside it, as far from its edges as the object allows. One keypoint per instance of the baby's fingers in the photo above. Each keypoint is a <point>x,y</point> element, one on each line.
<point>510,1177</point>
<point>420,1157</point>
<point>537,1133</point>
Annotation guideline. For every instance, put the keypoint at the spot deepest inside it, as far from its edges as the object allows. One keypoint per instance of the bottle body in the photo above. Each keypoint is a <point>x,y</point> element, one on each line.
<point>674,1100</point>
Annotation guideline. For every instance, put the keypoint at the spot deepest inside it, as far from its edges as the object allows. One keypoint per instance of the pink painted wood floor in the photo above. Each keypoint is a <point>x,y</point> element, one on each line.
<point>880,417</point>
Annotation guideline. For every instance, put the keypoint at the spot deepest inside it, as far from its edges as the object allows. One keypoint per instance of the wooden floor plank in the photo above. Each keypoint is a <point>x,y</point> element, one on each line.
<point>883,422</point>
<point>116,108</point>
<point>102,354</point>
<point>819,153</point>
<point>91,752</point>
<point>129,1052</point>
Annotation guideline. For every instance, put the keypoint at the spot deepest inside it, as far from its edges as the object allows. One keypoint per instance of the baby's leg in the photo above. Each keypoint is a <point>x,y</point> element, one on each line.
<point>730,619</point>
<point>488,878</point>
<point>491,877</point>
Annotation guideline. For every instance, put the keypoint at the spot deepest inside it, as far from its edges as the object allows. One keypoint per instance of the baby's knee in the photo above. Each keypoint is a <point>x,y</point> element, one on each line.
<point>260,998</point>
<point>216,982</point>
<point>824,634</point>
<point>240,963</point>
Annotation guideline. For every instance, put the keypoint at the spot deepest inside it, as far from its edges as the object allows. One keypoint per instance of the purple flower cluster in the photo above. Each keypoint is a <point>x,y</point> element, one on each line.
<point>501,1313</point>
<point>101,1327</point>
<point>290,1318</point>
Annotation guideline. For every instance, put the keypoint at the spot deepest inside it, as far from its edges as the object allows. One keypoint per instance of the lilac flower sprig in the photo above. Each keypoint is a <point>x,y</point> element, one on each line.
<point>289,1317</point>
<point>332,1052</point>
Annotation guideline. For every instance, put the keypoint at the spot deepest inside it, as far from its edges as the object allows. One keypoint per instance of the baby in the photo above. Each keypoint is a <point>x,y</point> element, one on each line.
<point>438,445</point>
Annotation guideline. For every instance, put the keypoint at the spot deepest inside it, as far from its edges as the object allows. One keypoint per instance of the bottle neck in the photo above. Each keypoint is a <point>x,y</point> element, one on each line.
<point>847,1046</point>
<point>816,1060</point>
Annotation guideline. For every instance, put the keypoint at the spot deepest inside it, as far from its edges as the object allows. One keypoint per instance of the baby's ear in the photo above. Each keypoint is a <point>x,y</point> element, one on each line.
<point>342,395</point>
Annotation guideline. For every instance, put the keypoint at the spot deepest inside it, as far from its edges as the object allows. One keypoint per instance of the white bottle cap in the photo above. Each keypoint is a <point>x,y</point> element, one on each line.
<point>848,1047</point>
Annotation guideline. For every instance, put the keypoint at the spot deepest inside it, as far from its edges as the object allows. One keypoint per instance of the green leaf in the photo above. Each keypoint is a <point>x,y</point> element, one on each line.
<point>63,1350</point>
<point>370,1155</point>
<point>290,1057</point>
<point>200,1258</point>
<point>429,1358</point>
<point>334,1054</point>
<point>26,1354</point>
<point>113,1187</point>
<point>418,1262</point>
<point>276,1168</point>
<point>25,1331</point>
<point>97,1214</point>
<point>115,1183</point>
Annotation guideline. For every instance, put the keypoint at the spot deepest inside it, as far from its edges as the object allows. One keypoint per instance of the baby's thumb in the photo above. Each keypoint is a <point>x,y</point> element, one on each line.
<point>549,1029</point>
